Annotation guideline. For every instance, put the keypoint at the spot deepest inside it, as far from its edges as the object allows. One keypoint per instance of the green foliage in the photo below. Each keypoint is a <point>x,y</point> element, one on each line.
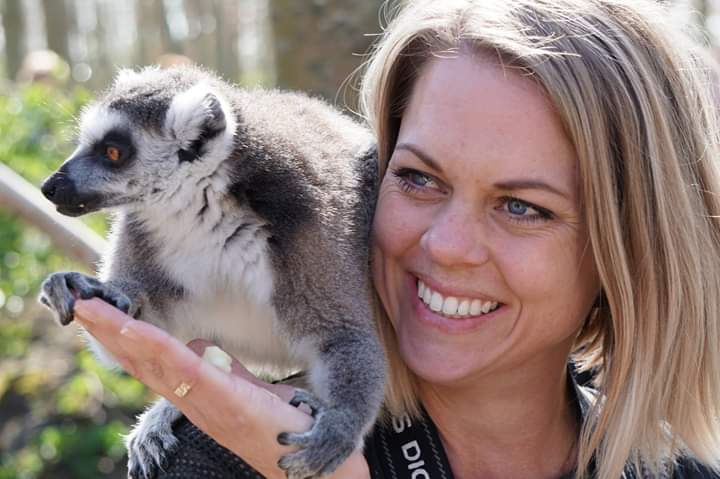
<point>36,128</point>
<point>15,339</point>
<point>80,451</point>
<point>36,133</point>
<point>93,379</point>
<point>70,424</point>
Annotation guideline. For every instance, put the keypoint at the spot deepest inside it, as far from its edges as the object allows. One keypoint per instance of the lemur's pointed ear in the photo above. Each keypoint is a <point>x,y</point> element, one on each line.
<point>198,115</point>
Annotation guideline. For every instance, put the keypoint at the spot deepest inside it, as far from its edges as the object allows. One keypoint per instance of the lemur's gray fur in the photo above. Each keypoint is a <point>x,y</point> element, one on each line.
<point>243,217</point>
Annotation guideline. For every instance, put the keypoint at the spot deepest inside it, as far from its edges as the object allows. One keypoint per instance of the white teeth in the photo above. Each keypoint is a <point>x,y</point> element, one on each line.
<point>452,306</point>
<point>427,295</point>
<point>436,302</point>
<point>464,307</point>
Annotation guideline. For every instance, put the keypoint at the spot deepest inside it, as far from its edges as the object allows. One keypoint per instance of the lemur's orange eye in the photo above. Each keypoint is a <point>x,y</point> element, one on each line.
<point>112,153</point>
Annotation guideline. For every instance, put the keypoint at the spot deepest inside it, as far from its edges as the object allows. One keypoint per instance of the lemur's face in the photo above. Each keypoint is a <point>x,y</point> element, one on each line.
<point>153,133</point>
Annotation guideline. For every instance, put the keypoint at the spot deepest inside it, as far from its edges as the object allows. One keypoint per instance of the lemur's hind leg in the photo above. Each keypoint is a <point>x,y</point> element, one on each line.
<point>151,441</point>
<point>354,391</point>
<point>60,291</point>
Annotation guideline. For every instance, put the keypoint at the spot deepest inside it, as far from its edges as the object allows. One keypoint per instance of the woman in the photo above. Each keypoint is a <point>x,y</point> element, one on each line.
<point>549,198</point>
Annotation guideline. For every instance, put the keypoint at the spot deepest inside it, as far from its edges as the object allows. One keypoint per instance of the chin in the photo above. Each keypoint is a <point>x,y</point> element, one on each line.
<point>442,364</point>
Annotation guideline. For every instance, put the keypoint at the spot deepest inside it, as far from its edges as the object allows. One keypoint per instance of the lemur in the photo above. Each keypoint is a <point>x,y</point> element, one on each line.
<point>241,216</point>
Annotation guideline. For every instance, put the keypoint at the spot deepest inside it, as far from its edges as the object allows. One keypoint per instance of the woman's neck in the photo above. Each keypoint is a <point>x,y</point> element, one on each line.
<point>512,425</point>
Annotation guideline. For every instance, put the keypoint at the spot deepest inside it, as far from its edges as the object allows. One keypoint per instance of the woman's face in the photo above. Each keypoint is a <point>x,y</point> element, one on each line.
<point>479,214</point>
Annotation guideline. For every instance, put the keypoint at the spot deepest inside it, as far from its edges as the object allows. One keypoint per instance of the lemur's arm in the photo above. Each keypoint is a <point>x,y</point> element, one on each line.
<point>60,291</point>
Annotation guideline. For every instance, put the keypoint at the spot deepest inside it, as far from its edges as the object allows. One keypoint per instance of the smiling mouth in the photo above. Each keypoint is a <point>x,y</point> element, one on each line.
<point>452,306</point>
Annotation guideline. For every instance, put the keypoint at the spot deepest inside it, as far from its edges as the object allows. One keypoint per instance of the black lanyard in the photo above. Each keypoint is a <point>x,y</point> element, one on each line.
<point>407,448</point>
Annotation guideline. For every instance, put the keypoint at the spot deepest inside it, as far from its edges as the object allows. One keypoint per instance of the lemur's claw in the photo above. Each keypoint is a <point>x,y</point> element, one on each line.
<point>60,290</point>
<point>303,397</point>
<point>328,443</point>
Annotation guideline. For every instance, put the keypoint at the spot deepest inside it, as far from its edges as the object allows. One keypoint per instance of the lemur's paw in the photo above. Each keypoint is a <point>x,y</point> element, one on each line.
<point>149,449</point>
<point>60,290</point>
<point>322,449</point>
<point>300,396</point>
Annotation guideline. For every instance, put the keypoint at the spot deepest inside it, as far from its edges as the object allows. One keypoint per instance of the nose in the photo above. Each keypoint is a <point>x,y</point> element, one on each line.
<point>59,189</point>
<point>456,238</point>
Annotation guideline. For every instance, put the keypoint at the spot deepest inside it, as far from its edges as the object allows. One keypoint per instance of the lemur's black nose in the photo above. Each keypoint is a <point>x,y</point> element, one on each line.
<point>58,189</point>
<point>49,188</point>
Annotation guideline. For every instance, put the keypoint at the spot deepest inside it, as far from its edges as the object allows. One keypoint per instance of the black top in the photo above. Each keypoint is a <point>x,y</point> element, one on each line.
<point>411,449</point>
<point>397,449</point>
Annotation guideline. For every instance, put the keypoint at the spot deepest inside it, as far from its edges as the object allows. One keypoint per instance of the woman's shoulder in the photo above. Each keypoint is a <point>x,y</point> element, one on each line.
<point>684,467</point>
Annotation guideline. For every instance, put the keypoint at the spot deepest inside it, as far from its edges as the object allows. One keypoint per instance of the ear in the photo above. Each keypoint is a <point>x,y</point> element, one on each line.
<point>198,116</point>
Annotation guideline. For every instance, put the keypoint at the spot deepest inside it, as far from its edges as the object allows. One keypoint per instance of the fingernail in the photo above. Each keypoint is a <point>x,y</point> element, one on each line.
<point>129,332</point>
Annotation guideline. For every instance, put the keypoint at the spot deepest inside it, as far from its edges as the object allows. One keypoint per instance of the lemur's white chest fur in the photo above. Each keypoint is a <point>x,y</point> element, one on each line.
<point>218,253</point>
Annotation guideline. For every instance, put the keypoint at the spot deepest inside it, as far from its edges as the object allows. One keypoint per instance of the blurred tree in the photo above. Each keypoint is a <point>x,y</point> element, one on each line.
<point>56,26</point>
<point>319,43</point>
<point>14,35</point>
<point>227,26</point>
<point>202,44</point>
<point>153,35</point>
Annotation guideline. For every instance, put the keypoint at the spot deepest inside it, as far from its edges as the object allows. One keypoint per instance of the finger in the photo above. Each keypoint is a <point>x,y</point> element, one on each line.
<point>149,353</point>
<point>104,322</point>
<point>112,327</point>
<point>285,392</point>
<point>228,407</point>
<point>161,361</point>
<point>99,317</point>
<point>139,354</point>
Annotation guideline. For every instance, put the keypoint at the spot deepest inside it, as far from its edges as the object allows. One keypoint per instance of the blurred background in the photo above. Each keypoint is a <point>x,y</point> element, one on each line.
<point>61,414</point>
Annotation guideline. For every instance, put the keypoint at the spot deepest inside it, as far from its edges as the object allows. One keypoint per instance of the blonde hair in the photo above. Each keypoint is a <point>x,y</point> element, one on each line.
<point>635,97</point>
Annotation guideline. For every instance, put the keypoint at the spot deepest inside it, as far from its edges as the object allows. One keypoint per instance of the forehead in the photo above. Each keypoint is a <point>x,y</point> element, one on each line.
<point>97,121</point>
<point>486,121</point>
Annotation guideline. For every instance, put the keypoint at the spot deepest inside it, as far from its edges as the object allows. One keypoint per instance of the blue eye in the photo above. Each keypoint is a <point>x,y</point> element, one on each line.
<point>414,181</point>
<point>418,179</point>
<point>517,207</point>
<point>520,211</point>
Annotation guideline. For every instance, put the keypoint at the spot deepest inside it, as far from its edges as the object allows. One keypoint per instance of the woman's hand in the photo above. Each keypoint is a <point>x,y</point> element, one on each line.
<point>239,411</point>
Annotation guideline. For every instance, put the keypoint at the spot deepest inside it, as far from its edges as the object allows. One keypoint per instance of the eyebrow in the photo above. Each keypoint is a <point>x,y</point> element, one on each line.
<point>529,184</point>
<point>510,185</point>
<point>422,156</point>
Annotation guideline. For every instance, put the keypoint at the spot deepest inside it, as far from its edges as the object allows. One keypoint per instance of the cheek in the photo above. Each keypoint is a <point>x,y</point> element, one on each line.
<point>552,271</point>
<point>395,227</point>
<point>395,236</point>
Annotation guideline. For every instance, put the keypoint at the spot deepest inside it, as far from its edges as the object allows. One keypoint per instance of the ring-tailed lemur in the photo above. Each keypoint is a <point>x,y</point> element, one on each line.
<point>243,217</point>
